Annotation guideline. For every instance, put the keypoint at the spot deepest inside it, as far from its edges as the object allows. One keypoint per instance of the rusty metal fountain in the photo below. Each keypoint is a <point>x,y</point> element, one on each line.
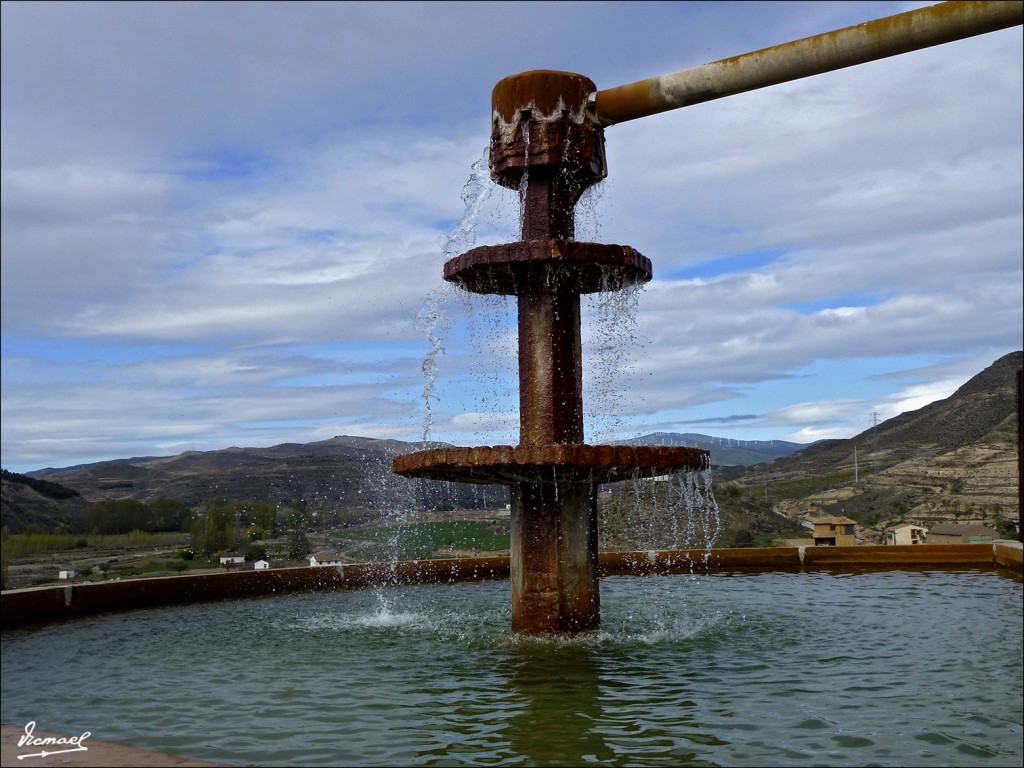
<point>634,701</point>
<point>547,140</point>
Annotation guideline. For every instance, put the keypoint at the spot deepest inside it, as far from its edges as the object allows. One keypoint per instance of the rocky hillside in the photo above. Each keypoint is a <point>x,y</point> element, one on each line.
<point>351,473</point>
<point>27,502</point>
<point>955,460</point>
<point>725,452</point>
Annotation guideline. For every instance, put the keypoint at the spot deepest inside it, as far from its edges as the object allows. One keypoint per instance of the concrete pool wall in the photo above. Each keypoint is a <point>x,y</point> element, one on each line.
<point>54,603</point>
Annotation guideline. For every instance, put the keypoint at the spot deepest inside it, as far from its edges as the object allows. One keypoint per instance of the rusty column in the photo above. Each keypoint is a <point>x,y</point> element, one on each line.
<point>545,144</point>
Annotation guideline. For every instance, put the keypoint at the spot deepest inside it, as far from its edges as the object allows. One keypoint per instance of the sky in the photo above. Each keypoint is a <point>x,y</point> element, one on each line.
<point>224,224</point>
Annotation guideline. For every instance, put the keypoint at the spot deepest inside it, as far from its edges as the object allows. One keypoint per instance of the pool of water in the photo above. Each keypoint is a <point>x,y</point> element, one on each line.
<point>894,668</point>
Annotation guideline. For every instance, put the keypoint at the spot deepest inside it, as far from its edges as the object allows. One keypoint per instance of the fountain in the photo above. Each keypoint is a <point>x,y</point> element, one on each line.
<point>547,142</point>
<point>759,657</point>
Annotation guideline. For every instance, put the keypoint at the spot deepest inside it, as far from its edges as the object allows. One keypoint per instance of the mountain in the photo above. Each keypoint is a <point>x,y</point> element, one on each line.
<point>344,472</point>
<point>953,459</point>
<point>27,501</point>
<point>725,451</point>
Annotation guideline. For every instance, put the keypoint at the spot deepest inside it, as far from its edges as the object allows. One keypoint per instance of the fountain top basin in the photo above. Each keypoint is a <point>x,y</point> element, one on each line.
<point>504,464</point>
<point>511,269</point>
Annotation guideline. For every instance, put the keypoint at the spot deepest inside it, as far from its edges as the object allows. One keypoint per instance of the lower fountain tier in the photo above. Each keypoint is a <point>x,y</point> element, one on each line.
<point>506,464</point>
<point>513,269</point>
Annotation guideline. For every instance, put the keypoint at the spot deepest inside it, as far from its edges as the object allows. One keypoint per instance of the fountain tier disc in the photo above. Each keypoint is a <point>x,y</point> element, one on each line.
<point>505,464</point>
<point>513,269</point>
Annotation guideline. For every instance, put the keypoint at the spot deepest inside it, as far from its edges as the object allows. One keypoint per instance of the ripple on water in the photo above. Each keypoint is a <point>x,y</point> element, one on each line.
<point>766,669</point>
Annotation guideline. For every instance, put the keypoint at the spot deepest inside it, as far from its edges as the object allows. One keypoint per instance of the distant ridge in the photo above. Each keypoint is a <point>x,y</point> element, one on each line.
<point>984,403</point>
<point>724,451</point>
<point>955,456</point>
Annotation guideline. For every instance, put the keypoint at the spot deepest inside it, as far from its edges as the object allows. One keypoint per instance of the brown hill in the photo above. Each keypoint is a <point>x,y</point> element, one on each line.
<point>25,502</point>
<point>953,460</point>
<point>348,473</point>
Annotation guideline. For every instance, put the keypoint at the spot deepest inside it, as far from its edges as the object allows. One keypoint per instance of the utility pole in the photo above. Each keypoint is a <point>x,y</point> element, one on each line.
<point>874,452</point>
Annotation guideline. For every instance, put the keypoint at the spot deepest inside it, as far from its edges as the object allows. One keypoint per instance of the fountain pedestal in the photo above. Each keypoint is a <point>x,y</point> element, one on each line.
<point>546,142</point>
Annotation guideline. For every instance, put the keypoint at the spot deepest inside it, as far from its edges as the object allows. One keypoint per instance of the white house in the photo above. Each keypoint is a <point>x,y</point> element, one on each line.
<point>70,573</point>
<point>325,557</point>
<point>906,534</point>
<point>233,559</point>
<point>261,565</point>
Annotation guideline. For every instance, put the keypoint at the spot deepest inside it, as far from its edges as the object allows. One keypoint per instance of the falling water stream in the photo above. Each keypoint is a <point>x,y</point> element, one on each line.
<point>672,512</point>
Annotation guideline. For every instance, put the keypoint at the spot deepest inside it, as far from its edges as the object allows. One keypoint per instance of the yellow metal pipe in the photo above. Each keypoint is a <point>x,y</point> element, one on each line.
<point>878,39</point>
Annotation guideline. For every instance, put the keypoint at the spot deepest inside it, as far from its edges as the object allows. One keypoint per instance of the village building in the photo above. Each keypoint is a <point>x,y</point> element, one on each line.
<point>905,534</point>
<point>957,533</point>
<point>261,565</point>
<point>834,531</point>
<point>325,557</point>
<point>232,559</point>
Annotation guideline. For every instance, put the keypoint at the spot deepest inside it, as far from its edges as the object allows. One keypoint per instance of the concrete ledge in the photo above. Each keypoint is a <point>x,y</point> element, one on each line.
<point>902,554</point>
<point>44,604</point>
<point>691,560</point>
<point>1009,554</point>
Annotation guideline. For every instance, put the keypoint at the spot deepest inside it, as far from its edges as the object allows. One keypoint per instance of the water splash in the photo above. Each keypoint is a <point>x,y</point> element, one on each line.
<point>524,182</point>
<point>434,322</point>
<point>387,615</point>
<point>433,319</point>
<point>670,512</point>
<point>588,225</point>
<point>610,323</point>
<point>494,365</point>
<point>474,194</point>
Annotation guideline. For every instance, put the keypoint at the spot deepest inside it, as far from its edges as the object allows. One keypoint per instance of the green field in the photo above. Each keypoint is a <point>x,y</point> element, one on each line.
<point>424,541</point>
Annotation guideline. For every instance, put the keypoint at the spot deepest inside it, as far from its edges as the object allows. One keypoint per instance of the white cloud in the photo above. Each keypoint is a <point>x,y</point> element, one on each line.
<point>234,243</point>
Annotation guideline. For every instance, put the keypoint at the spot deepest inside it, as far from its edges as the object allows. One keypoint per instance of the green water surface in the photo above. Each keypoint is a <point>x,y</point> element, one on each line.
<point>894,668</point>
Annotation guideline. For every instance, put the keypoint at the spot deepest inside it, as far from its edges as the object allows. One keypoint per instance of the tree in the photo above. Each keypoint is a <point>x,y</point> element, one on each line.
<point>261,518</point>
<point>171,515</point>
<point>264,517</point>
<point>214,529</point>
<point>298,544</point>
<point>293,514</point>
<point>118,516</point>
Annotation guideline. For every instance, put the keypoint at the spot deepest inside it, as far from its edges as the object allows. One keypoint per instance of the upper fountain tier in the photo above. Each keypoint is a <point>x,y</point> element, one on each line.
<point>512,269</point>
